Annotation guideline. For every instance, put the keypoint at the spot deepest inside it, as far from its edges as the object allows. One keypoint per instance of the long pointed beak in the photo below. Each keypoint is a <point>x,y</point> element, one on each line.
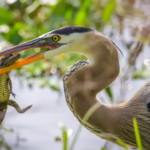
<point>24,62</point>
<point>39,42</point>
<point>24,46</point>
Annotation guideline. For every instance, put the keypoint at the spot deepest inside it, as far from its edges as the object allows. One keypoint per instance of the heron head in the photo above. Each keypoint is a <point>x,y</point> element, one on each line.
<point>58,41</point>
<point>68,39</point>
<point>63,40</point>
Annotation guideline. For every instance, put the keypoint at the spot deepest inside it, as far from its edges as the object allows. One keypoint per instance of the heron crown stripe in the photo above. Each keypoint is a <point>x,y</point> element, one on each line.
<point>71,29</point>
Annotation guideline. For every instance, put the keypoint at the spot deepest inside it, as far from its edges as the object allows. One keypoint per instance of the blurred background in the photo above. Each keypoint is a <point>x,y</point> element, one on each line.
<point>49,124</point>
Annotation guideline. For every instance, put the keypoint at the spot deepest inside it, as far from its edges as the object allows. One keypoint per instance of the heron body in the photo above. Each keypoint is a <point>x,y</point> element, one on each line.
<point>84,80</point>
<point>121,126</point>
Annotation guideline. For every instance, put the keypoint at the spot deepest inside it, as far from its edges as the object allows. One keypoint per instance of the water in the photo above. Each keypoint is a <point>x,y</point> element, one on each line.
<point>38,127</point>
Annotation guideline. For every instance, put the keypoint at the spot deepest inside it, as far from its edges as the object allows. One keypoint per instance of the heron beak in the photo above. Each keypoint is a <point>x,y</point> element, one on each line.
<point>38,42</point>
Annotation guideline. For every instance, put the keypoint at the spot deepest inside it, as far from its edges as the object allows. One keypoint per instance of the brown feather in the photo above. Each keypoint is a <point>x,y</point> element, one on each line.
<point>81,84</point>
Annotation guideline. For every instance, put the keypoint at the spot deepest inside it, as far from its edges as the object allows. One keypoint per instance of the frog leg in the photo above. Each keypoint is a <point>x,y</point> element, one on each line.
<point>17,107</point>
<point>2,115</point>
<point>10,86</point>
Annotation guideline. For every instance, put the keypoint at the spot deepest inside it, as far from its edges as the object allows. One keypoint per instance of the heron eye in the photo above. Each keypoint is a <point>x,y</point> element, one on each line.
<point>55,38</point>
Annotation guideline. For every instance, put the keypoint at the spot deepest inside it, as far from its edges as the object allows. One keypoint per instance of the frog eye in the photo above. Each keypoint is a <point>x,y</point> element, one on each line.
<point>55,38</point>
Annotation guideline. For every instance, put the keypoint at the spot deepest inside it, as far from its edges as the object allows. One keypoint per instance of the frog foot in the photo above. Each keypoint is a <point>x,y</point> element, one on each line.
<point>17,107</point>
<point>13,94</point>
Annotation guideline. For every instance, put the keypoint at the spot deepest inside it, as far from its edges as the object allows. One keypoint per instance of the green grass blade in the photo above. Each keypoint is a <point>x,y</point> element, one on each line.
<point>108,10</point>
<point>121,143</point>
<point>75,137</point>
<point>137,134</point>
<point>85,118</point>
<point>65,138</point>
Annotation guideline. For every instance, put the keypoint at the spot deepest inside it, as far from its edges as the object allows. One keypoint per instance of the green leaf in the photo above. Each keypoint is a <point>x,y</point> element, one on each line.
<point>137,134</point>
<point>5,16</point>
<point>69,14</point>
<point>1,143</point>
<point>103,148</point>
<point>13,36</point>
<point>54,87</point>
<point>109,93</point>
<point>143,73</point>
<point>82,13</point>
<point>108,10</point>
<point>8,147</point>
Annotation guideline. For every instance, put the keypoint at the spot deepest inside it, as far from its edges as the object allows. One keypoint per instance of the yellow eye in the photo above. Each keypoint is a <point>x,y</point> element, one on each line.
<point>55,38</point>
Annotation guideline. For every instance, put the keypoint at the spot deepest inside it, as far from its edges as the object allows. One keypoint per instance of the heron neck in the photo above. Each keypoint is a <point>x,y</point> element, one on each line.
<point>84,84</point>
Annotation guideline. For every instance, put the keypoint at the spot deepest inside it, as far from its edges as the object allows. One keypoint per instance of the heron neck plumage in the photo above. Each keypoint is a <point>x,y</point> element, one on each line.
<point>84,84</point>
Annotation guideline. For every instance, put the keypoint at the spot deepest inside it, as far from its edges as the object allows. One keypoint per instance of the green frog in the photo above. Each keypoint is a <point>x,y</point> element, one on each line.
<point>6,87</point>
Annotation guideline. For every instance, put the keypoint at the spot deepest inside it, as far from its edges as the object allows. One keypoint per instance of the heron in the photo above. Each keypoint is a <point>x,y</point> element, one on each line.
<point>85,79</point>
